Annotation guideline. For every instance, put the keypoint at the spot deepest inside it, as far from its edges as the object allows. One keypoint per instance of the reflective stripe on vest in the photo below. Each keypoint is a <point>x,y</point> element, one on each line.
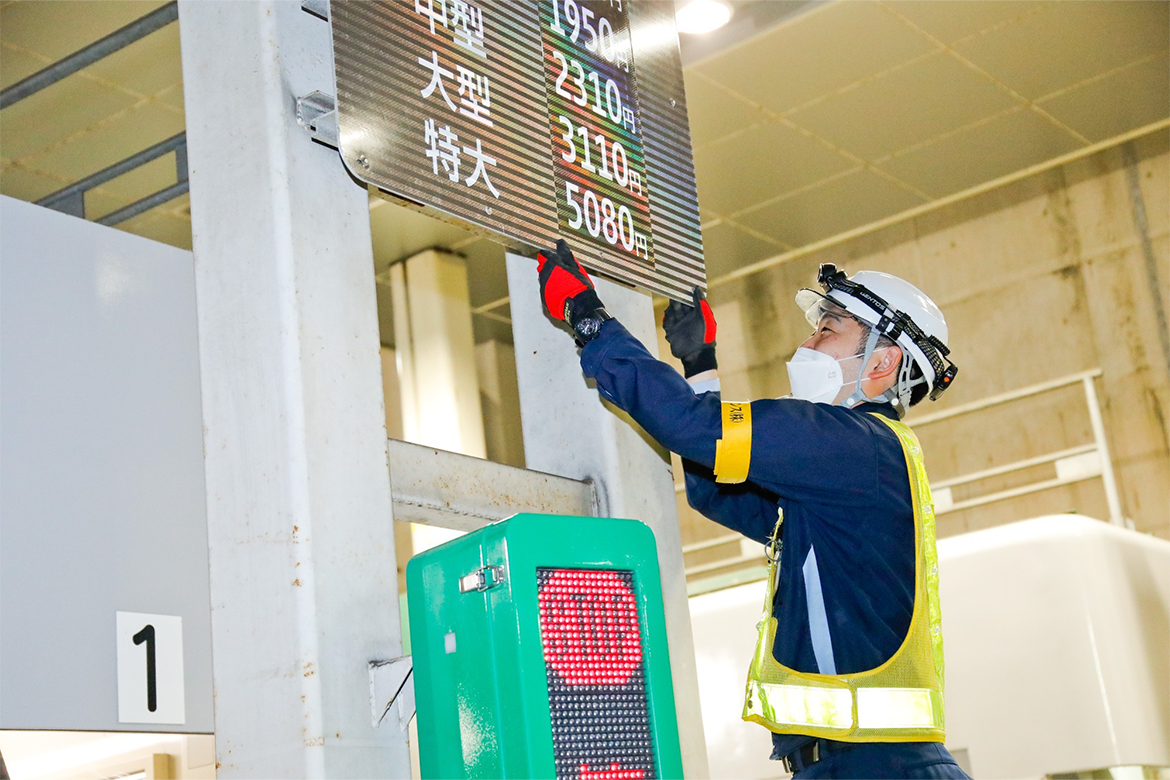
<point>901,700</point>
<point>901,708</point>
<point>877,708</point>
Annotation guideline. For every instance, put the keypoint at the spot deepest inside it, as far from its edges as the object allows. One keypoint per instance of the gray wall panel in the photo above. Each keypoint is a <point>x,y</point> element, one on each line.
<point>102,499</point>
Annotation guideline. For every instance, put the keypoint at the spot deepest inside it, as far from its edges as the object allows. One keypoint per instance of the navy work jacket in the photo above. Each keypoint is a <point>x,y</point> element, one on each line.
<point>846,589</point>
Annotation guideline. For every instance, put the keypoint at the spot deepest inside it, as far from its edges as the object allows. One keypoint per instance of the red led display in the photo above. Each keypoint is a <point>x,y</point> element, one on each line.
<point>591,636</point>
<point>615,772</point>
<point>589,624</point>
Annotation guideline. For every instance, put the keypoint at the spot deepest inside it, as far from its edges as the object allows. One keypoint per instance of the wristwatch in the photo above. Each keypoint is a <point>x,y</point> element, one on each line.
<point>587,327</point>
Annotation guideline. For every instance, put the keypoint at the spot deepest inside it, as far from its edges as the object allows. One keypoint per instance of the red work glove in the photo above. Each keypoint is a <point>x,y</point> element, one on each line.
<point>690,330</point>
<point>565,288</point>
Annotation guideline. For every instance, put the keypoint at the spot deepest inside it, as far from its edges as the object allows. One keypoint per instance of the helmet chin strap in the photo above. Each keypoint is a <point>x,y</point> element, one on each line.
<point>898,395</point>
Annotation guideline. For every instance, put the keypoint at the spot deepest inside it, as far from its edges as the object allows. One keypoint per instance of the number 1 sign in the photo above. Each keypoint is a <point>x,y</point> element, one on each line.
<point>150,668</point>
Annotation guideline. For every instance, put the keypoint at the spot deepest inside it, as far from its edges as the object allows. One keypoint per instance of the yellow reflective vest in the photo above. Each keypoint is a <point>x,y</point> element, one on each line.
<point>899,701</point>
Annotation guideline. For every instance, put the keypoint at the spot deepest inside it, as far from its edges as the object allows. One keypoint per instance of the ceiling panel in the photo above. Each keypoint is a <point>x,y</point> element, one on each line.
<point>27,184</point>
<point>955,19</point>
<point>760,163</point>
<point>815,54</point>
<point>163,224</point>
<point>146,66</point>
<point>99,203</point>
<point>58,28</point>
<point>728,247</point>
<point>1069,42</point>
<point>749,18</point>
<point>143,180</point>
<point>17,64</point>
<point>898,116</point>
<point>714,113</point>
<point>1128,99</point>
<point>116,139</point>
<point>981,153</point>
<point>172,97</point>
<point>855,199</point>
<point>55,113</point>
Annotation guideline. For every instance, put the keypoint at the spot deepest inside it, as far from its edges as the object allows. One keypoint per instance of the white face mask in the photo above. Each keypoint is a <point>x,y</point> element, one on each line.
<point>815,376</point>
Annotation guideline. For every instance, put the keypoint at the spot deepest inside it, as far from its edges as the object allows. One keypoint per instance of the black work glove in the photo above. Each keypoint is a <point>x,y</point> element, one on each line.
<point>566,290</point>
<point>691,333</point>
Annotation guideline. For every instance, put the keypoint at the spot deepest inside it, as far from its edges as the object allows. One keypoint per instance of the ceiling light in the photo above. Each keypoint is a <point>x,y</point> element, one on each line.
<point>702,16</point>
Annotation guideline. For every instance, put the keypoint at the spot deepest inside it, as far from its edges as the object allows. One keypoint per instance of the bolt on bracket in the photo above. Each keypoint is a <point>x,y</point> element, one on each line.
<point>317,113</point>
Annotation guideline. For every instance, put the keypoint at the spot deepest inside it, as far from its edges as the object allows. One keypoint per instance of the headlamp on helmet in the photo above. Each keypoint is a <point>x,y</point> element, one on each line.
<point>893,308</point>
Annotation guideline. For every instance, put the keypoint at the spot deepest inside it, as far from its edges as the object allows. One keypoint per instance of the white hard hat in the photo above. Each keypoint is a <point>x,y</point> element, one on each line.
<point>894,308</point>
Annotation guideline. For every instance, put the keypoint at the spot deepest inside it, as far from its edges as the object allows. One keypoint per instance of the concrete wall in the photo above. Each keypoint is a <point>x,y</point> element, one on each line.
<point>1038,279</point>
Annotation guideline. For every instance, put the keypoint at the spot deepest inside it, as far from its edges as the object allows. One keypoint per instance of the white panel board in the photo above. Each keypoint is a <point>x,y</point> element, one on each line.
<point>102,502</point>
<point>1057,634</point>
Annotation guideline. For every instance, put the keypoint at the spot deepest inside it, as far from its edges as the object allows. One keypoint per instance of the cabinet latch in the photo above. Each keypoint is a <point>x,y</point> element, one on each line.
<point>482,579</point>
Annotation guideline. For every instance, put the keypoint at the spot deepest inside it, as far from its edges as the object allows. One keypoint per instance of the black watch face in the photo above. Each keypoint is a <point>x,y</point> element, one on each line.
<point>587,328</point>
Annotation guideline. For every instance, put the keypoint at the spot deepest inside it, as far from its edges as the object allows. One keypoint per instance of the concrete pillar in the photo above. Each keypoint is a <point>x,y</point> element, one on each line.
<point>500,399</point>
<point>436,363</point>
<point>391,393</point>
<point>569,430</point>
<point>303,582</point>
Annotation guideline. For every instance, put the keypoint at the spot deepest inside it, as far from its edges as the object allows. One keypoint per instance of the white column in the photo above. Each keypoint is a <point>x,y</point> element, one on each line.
<point>436,363</point>
<point>569,430</point>
<point>303,578</point>
<point>500,400</point>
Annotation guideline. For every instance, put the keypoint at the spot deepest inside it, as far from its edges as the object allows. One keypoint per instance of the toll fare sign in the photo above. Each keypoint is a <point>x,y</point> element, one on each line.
<point>530,119</point>
<point>599,165</point>
<point>434,106</point>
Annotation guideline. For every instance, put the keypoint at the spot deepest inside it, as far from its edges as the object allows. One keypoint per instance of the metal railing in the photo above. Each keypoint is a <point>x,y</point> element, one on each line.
<point>71,199</point>
<point>1073,464</point>
<point>84,57</point>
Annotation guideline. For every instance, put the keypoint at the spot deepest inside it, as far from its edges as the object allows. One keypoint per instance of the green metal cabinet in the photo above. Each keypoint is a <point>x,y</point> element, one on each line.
<point>540,651</point>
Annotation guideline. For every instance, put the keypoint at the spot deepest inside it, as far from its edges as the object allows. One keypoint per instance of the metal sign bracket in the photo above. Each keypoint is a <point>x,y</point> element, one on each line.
<point>392,682</point>
<point>318,8</point>
<point>317,113</point>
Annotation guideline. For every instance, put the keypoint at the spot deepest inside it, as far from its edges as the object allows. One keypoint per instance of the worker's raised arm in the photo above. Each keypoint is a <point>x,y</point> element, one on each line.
<point>627,375</point>
<point>794,448</point>
<point>653,393</point>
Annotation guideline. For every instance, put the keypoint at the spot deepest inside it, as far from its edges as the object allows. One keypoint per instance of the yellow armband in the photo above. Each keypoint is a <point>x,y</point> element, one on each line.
<point>733,453</point>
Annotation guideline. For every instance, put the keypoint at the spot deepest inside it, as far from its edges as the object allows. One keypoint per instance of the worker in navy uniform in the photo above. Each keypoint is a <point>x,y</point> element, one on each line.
<point>848,673</point>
